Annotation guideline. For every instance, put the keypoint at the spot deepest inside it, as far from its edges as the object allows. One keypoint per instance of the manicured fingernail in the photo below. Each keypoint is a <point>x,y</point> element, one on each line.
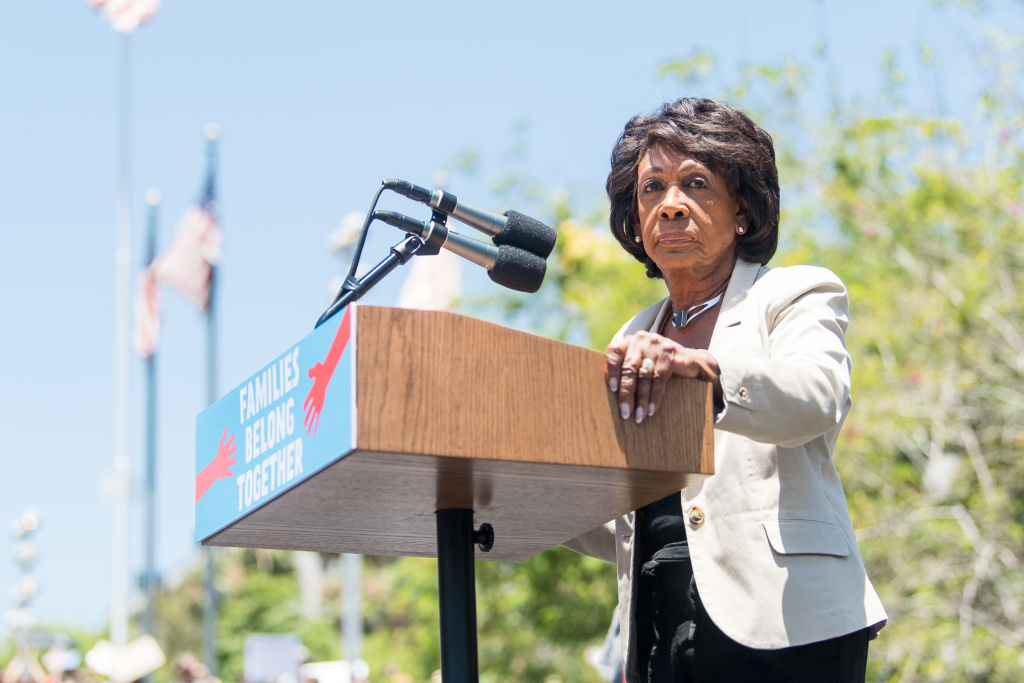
<point>613,384</point>
<point>650,410</point>
<point>624,409</point>
<point>639,414</point>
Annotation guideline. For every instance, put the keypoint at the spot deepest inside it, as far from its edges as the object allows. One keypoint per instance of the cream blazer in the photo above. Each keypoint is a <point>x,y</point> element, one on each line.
<point>771,542</point>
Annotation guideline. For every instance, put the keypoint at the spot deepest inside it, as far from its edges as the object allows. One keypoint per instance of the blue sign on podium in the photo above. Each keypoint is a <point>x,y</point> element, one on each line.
<point>266,435</point>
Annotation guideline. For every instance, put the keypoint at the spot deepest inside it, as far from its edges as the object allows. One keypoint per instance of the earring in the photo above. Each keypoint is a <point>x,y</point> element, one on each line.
<point>740,230</point>
<point>637,239</point>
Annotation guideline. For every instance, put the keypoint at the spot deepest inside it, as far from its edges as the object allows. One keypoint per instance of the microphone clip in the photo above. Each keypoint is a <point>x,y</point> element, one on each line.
<point>429,248</point>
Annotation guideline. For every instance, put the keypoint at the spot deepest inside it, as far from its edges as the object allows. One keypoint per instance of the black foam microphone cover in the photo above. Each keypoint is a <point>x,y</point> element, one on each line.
<point>526,233</point>
<point>518,269</point>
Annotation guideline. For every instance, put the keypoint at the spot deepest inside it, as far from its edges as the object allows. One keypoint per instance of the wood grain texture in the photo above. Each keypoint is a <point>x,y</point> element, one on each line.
<point>377,503</point>
<point>444,384</point>
<point>456,412</point>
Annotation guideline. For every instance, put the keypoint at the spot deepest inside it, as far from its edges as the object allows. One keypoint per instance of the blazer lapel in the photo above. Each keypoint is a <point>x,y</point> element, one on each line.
<point>744,274</point>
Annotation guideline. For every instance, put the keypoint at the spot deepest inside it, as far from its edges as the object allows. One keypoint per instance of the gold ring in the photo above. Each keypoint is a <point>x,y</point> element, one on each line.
<point>647,365</point>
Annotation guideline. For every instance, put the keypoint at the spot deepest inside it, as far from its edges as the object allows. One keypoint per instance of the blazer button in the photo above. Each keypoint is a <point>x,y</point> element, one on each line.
<point>695,515</point>
<point>743,394</point>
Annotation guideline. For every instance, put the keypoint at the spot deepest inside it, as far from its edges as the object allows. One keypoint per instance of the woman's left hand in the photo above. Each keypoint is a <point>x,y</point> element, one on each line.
<point>638,366</point>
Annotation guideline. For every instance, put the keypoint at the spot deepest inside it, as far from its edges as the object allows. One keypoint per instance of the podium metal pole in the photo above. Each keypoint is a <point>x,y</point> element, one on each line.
<point>456,587</point>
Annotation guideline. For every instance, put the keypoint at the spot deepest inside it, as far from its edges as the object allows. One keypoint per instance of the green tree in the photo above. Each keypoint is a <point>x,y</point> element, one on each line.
<point>930,244</point>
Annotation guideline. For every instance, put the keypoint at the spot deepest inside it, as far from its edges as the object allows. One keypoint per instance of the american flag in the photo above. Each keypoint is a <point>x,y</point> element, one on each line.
<point>188,264</point>
<point>126,15</point>
<point>147,314</point>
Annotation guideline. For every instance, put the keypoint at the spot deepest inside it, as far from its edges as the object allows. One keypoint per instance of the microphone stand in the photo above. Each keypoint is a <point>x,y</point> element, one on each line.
<point>353,289</point>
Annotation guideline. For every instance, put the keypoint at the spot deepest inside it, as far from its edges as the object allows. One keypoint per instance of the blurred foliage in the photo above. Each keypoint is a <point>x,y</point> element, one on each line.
<point>929,242</point>
<point>922,217</point>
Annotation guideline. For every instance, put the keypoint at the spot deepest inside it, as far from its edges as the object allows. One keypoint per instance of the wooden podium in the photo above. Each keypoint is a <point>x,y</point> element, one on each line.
<point>455,414</point>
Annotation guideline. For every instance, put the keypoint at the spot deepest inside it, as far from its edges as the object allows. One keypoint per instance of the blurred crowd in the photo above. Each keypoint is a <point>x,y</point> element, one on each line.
<point>66,665</point>
<point>137,662</point>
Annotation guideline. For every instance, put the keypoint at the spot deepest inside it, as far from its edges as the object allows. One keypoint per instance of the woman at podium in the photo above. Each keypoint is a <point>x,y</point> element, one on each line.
<point>754,573</point>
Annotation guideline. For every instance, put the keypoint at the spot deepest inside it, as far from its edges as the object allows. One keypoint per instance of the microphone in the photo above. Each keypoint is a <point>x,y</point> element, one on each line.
<point>511,228</point>
<point>506,265</point>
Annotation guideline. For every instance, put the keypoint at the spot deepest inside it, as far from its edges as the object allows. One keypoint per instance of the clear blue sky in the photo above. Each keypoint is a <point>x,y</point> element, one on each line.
<point>318,101</point>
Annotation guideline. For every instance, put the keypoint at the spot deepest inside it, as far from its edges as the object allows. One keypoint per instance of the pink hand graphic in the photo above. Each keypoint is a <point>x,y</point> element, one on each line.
<point>321,374</point>
<point>219,468</point>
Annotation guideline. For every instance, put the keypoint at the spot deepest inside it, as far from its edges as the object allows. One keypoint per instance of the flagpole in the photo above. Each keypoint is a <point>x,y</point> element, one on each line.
<point>212,134</point>
<point>122,369</point>
<point>149,577</point>
<point>352,611</point>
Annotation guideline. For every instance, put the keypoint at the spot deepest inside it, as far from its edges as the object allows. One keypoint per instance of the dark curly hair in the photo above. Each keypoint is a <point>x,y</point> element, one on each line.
<point>722,138</point>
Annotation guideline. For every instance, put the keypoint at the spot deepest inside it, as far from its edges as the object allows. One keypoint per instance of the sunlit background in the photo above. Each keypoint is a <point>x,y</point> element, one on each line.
<point>510,105</point>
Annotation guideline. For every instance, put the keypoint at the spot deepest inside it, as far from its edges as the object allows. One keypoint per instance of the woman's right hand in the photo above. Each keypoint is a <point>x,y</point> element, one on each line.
<point>638,366</point>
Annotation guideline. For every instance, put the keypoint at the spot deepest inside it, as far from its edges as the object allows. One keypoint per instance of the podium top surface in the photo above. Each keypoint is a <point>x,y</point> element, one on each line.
<point>427,410</point>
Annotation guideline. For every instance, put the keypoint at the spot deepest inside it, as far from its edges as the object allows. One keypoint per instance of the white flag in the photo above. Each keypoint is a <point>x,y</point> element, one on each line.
<point>126,15</point>
<point>433,283</point>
